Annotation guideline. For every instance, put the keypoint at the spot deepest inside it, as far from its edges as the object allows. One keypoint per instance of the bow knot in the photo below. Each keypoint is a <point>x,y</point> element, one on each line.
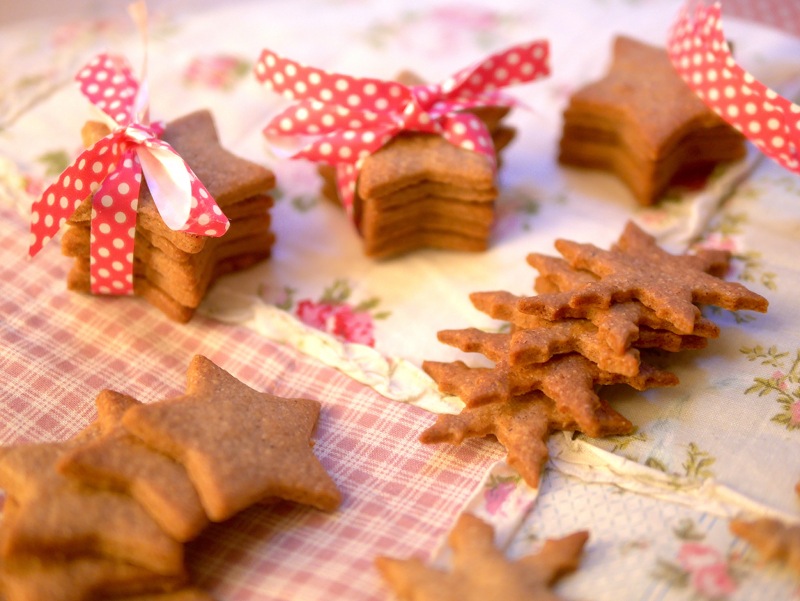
<point>111,170</point>
<point>139,133</point>
<point>350,118</point>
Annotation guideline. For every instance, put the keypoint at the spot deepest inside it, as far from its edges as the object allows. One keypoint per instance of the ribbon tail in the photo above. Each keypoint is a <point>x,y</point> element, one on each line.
<point>113,229</point>
<point>182,200</point>
<point>519,64</point>
<point>700,54</point>
<point>76,182</point>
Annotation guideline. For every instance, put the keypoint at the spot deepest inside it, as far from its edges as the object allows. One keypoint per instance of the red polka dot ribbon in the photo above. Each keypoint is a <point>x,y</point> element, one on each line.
<point>699,52</point>
<point>352,117</point>
<point>111,171</point>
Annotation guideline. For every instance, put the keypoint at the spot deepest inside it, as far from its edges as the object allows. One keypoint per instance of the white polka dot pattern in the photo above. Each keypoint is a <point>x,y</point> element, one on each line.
<point>699,52</point>
<point>112,172</point>
<point>352,117</point>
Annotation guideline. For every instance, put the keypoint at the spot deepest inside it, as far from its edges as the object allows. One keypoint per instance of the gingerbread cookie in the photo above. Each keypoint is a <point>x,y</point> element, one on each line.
<point>637,268</point>
<point>55,515</point>
<point>238,446</point>
<point>173,269</point>
<point>421,191</point>
<point>119,461</point>
<point>570,380</point>
<point>773,539</point>
<point>522,424</point>
<point>480,571</point>
<point>589,326</point>
<point>644,124</point>
<point>34,578</point>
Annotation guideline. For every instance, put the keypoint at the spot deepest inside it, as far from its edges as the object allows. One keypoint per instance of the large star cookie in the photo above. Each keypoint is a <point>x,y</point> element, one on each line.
<point>637,268</point>
<point>481,572</point>
<point>239,446</point>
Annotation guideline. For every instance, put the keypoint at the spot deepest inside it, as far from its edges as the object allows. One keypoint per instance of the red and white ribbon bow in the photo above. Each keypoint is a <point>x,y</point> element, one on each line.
<point>352,117</point>
<point>111,170</point>
<point>699,52</point>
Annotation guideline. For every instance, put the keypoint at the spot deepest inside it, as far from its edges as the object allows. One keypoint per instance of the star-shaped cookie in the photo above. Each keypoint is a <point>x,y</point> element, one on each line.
<point>55,515</point>
<point>526,346</point>
<point>82,578</point>
<point>570,380</point>
<point>773,539</point>
<point>637,268</point>
<point>522,425</point>
<point>238,446</point>
<point>120,461</point>
<point>643,123</point>
<point>621,326</point>
<point>481,572</point>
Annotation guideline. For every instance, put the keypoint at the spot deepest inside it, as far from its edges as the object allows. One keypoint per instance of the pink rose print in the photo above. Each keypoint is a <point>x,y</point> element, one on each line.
<point>713,582</point>
<point>218,72</point>
<point>314,314</point>
<point>353,326</point>
<point>337,319</point>
<point>33,185</point>
<point>794,411</point>
<point>460,17</point>
<point>708,570</point>
<point>496,496</point>
<point>694,556</point>
<point>780,379</point>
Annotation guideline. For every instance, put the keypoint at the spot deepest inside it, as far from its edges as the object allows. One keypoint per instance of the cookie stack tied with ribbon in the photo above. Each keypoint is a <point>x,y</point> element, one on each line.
<point>596,315</point>
<point>413,164</point>
<point>644,124</point>
<point>154,211</point>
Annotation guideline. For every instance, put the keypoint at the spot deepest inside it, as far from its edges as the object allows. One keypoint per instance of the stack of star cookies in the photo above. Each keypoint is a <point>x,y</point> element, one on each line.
<point>420,191</point>
<point>173,269</point>
<point>595,317</point>
<point>644,124</point>
<point>105,514</point>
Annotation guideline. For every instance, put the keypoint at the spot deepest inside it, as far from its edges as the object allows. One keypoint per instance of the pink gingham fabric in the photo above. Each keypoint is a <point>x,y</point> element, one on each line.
<point>400,497</point>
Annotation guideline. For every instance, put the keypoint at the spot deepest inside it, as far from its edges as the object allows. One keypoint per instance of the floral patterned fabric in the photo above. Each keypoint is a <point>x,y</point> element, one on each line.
<point>723,443</point>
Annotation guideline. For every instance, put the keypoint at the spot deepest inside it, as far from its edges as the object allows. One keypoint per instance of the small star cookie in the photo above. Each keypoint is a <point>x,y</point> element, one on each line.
<point>570,380</point>
<point>773,539</point>
<point>481,572</point>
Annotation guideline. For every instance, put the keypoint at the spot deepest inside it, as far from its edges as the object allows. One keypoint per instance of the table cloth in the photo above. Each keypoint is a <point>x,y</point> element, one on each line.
<point>657,503</point>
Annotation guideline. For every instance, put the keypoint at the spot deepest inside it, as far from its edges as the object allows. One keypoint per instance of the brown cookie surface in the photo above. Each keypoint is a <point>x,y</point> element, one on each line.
<point>119,461</point>
<point>522,424</point>
<point>238,446</point>
<point>480,571</point>
<point>643,123</point>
